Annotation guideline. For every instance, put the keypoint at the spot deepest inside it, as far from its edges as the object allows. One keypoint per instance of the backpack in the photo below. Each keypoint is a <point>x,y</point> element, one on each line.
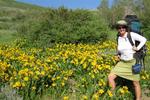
<point>135,26</point>
<point>133,23</point>
<point>140,54</point>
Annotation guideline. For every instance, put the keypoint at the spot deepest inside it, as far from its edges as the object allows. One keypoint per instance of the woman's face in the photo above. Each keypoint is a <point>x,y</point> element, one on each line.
<point>122,30</point>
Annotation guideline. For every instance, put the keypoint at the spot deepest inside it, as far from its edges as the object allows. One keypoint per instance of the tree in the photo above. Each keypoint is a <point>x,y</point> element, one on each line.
<point>120,9</point>
<point>104,10</point>
<point>144,15</point>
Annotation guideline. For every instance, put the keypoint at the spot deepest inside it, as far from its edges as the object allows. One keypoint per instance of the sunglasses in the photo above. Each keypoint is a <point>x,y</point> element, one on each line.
<point>121,27</point>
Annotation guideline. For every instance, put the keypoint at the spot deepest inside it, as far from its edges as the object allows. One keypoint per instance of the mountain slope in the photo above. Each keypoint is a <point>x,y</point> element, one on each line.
<point>12,15</point>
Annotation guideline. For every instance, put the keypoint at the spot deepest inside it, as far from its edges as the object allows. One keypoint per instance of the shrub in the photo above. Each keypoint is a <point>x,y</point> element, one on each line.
<point>64,25</point>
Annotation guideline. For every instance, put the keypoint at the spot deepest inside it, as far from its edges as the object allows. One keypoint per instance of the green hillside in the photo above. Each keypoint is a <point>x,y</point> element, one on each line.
<point>12,15</point>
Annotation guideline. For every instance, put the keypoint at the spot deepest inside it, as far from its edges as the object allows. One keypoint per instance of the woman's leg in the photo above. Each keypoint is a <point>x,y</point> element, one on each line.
<point>137,90</point>
<point>111,79</point>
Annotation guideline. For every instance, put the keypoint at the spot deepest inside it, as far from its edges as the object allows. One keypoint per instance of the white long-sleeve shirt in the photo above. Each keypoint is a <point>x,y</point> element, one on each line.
<point>126,49</point>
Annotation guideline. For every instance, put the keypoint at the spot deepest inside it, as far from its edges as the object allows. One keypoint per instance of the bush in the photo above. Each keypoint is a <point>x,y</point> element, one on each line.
<point>66,26</point>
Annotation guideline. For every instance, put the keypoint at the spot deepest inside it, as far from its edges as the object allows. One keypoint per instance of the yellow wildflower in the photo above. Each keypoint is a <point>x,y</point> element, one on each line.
<point>37,72</point>
<point>17,84</point>
<point>122,91</point>
<point>65,98</point>
<point>65,78</point>
<point>84,97</point>
<point>33,88</point>
<point>23,84</point>
<point>96,96</point>
<point>53,84</point>
<point>26,78</point>
<point>109,93</point>
<point>62,83</point>
<point>143,77</point>
<point>101,91</point>
<point>43,73</point>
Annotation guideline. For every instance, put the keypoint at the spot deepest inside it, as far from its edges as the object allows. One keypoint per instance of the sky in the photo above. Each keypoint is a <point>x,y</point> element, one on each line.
<point>72,4</point>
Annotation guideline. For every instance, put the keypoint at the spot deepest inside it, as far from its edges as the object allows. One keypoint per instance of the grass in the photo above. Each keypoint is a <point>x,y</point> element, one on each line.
<point>12,14</point>
<point>7,36</point>
<point>19,5</point>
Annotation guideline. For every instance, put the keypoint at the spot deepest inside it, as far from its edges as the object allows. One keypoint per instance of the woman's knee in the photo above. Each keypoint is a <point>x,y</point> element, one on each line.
<point>111,76</point>
<point>136,83</point>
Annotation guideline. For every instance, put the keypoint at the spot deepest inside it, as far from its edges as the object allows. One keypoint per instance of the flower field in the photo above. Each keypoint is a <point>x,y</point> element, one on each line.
<point>66,71</point>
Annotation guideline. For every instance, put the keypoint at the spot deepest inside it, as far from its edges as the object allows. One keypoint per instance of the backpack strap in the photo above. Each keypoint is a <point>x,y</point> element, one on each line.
<point>131,42</point>
<point>130,38</point>
<point>137,56</point>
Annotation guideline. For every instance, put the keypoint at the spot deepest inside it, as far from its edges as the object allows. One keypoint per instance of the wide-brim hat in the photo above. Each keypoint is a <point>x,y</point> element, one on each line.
<point>121,23</point>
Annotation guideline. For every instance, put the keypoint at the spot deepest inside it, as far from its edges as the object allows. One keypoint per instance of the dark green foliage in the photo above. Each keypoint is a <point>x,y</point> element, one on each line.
<point>66,26</point>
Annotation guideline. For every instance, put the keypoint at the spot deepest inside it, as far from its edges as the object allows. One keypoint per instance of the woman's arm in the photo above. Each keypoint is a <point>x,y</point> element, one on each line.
<point>141,39</point>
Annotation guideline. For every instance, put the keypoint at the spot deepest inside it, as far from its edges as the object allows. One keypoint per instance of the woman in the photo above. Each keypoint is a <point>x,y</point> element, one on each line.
<point>126,50</point>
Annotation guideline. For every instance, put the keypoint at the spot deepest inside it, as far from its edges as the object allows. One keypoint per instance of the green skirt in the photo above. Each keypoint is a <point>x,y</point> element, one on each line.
<point>124,70</point>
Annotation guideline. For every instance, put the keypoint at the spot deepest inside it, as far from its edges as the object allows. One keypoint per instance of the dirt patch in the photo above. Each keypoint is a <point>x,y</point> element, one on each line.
<point>144,95</point>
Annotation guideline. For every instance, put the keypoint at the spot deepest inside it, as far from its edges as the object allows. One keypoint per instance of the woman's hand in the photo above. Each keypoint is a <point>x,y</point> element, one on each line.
<point>117,57</point>
<point>135,48</point>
